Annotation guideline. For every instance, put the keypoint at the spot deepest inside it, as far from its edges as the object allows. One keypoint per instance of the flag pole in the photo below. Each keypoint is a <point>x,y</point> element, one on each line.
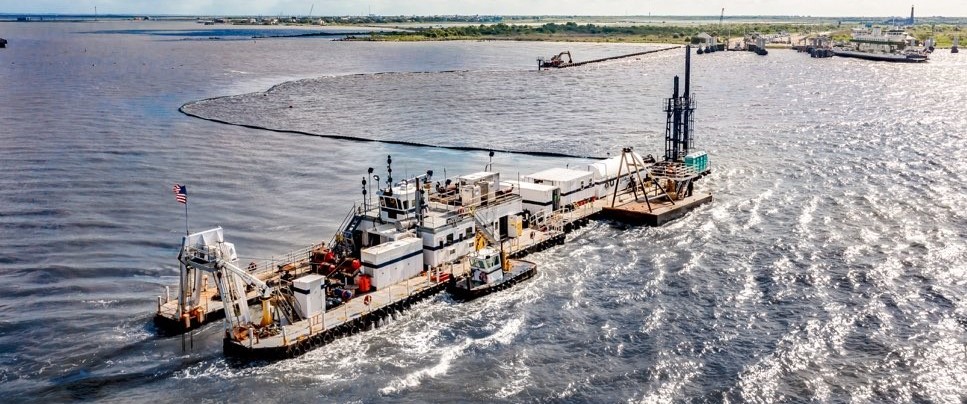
<point>186,218</point>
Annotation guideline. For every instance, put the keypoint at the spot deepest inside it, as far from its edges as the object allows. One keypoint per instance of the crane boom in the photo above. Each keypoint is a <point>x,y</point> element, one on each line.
<point>264,290</point>
<point>207,251</point>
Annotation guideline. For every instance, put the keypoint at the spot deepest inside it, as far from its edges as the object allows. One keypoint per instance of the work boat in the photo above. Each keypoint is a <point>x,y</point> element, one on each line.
<point>490,271</point>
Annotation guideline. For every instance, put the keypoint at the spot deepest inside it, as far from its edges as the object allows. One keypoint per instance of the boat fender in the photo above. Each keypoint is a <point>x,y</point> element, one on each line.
<point>367,300</point>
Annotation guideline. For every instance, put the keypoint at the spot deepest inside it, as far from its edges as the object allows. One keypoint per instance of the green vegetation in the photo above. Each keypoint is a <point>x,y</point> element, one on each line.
<point>943,34</point>
<point>572,31</point>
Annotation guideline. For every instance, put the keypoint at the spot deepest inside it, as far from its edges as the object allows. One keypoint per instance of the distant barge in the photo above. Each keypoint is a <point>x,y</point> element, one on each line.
<point>417,237</point>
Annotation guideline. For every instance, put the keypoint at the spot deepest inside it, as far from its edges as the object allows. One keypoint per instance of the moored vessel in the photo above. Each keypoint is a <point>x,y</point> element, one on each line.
<point>490,271</point>
<point>892,45</point>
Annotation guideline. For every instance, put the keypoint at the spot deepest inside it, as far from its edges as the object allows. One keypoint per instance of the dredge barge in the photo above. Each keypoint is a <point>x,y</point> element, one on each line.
<point>419,236</point>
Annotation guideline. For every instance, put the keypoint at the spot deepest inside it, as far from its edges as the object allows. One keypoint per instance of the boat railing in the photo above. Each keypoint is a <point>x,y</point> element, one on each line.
<point>379,299</point>
<point>275,263</point>
<point>461,210</point>
<point>672,171</point>
<point>345,222</point>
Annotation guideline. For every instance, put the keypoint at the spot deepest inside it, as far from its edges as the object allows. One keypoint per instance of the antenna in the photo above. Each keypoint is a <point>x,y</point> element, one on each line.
<point>370,172</point>
<point>490,165</point>
<point>365,200</point>
<point>389,171</point>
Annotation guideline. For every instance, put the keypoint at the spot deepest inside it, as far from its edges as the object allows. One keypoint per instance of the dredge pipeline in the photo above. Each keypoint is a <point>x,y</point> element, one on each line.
<point>394,142</point>
<point>586,62</point>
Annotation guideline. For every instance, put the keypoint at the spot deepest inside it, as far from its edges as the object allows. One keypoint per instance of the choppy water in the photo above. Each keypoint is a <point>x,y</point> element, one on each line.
<point>830,267</point>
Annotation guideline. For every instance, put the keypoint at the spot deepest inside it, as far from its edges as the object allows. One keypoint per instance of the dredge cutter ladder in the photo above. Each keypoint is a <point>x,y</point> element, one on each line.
<point>207,251</point>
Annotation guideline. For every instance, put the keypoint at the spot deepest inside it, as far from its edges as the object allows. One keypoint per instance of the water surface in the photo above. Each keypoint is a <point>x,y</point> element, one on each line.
<point>829,267</point>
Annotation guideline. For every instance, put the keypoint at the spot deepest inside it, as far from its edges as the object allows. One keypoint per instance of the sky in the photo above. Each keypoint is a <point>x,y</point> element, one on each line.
<point>832,8</point>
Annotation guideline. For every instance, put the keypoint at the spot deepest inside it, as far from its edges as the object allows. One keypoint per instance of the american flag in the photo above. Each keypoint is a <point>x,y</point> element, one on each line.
<point>181,193</point>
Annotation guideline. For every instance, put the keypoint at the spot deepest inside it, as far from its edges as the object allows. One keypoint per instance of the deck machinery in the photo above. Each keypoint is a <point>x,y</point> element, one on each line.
<point>666,191</point>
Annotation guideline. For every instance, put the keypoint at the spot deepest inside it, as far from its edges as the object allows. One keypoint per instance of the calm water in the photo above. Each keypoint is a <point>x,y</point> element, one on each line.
<point>831,265</point>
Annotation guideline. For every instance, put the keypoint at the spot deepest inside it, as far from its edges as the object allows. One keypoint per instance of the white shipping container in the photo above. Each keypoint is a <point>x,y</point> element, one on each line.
<point>393,262</point>
<point>310,295</point>
<point>568,180</point>
<point>536,198</point>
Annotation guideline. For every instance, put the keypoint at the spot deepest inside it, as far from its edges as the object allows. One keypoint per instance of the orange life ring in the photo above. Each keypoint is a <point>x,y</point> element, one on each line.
<point>367,300</point>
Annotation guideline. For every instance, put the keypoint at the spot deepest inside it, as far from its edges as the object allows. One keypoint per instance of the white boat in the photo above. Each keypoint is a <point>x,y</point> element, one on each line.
<point>892,45</point>
<point>490,271</point>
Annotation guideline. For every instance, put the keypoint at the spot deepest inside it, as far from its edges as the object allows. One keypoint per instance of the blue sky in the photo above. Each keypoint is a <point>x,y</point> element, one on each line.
<point>506,7</point>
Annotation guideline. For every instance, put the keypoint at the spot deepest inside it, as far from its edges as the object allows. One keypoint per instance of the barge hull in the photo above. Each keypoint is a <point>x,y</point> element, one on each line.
<point>879,58</point>
<point>638,213</point>
<point>299,346</point>
<point>463,294</point>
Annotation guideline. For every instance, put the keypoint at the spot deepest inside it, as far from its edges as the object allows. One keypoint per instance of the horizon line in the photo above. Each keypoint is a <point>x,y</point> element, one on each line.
<point>466,15</point>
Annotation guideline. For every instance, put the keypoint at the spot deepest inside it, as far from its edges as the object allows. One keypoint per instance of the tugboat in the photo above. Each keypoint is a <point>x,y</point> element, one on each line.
<point>490,271</point>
